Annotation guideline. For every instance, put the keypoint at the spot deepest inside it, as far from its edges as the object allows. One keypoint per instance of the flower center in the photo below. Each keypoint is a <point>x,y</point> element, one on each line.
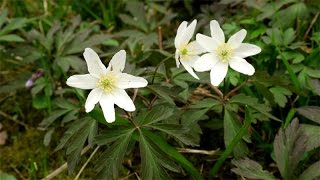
<point>107,82</point>
<point>184,51</point>
<point>224,52</point>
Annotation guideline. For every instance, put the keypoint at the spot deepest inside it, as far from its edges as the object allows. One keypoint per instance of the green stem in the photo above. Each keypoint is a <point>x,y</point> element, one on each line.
<point>155,71</point>
<point>289,117</point>
<point>232,144</point>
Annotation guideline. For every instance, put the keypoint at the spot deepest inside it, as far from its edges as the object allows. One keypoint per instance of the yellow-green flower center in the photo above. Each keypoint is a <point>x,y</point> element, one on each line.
<point>107,82</point>
<point>224,52</point>
<point>184,51</point>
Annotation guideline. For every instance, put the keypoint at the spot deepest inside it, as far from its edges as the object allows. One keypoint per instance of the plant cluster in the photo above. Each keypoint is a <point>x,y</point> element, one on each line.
<point>255,115</point>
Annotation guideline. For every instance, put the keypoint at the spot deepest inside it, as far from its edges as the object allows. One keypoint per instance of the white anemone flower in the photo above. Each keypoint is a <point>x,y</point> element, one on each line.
<point>220,54</point>
<point>187,53</point>
<point>108,84</point>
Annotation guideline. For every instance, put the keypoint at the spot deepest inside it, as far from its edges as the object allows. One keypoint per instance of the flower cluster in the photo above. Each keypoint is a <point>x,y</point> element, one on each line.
<point>108,84</point>
<point>218,54</point>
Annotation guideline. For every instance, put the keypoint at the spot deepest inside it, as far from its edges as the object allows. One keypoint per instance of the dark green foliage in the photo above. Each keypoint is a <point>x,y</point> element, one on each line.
<point>245,116</point>
<point>251,169</point>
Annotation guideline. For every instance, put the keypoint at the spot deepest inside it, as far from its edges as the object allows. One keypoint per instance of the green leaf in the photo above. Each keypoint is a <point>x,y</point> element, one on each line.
<point>264,91</point>
<point>162,91</point>
<point>289,146</point>
<point>230,148</point>
<point>77,47</point>
<point>53,116</point>
<point>206,103</point>
<point>74,140</point>
<point>73,129</point>
<point>313,134</point>
<point>289,36</point>
<point>315,86</point>
<point>13,25</point>
<point>280,94</point>
<point>154,161</point>
<point>113,134</point>
<point>110,162</point>
<point>251,169</point>
<point>231,128</point>
<point>3,16</point>
<point>312,172</point>
<point>11,38</point>
<point>173,153</point>
<point>5,176</point>
<point>179,132</point>
<point>64,104</point>
<point>315,73</point>
<point>157,114</point>
<point>48,136</point>
<point>39,102</point>
<point>310,112</point>
<point>254,104</point>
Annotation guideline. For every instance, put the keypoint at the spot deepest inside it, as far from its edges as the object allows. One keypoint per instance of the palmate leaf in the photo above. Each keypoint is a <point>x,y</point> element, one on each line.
<point>312,172</point>
<point>75,138</point>
<point>310,112</point>
<point>154,161</point>
<point>14,24</point>
<point>254,104</point>
<point>251,169</point>
<point>157,114</point>
<point>313,134</point>
<point>289,146</point>
<point>162,92</point>
<point>153,118</point>
<point>280,95</point>
<point>110,162</point>
<point>178,132</point>
<point>113,134</point>
<point>168,151</point>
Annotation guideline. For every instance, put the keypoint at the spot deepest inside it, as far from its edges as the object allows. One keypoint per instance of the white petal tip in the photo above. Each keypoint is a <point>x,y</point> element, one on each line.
<point>88,49</point>
<point>131,109</point>
<point>110,120</point>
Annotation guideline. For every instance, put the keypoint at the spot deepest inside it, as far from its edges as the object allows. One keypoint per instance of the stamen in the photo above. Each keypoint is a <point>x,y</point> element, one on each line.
<point>184,51</point>
<point>224,52</point>
<point>107,82</point>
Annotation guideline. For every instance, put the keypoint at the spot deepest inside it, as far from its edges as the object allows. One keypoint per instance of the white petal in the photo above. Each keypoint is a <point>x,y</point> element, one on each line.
<point>187,34</point>
<point>122,100</point>
<point>93,98</point>
<point>236,39</point>
<point>194,48</point>
<point>118,61</point>
<point>245,50</point>
<point>129,81</point>
<point>180,31</point>
<point>205,62</point>
<point>216,31</point>
<point>207,43</point>
<point>95,66</point>
<point>218,73</point>
<point>188,67</point>
<point>177,56</point>
<point>107,105</point>
<point>84,81</point>
<point>242,66</point>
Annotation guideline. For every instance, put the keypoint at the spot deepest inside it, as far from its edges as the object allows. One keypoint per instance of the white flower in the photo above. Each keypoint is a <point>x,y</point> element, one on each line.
<point>187,53</point>
<point>107,84</point>
<point>220,54</point>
